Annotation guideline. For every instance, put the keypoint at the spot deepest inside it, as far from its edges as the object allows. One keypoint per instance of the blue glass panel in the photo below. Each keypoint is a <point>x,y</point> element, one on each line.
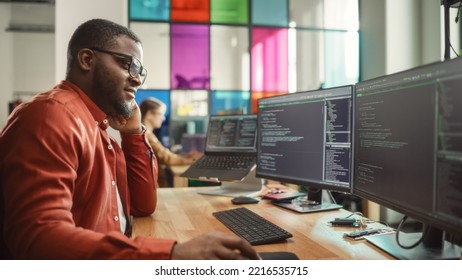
<point>269,12</point>
<point>162,95</point>
<point>230,102</point>
<point>149,10</point>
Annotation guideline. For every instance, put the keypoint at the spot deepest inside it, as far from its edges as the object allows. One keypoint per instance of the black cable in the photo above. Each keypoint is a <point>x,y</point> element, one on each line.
<point>454,49</point>
<point>457,20</point>
<point>458,12</point>
<point>408,246</point>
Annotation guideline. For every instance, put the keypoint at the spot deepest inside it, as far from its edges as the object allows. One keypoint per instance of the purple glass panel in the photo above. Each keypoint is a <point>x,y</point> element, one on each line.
<point>190,56</point>
<point>269,59</point>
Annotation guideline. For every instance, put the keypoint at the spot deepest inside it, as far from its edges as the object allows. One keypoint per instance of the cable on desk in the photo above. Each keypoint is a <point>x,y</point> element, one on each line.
<point>401,223</point>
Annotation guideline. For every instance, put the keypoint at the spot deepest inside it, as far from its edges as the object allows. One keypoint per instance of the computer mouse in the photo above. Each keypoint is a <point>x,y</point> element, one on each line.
<point>244,200</point>
<point>277,256</point>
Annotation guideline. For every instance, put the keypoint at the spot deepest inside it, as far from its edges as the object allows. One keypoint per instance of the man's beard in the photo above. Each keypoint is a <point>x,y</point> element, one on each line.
<point>110,98</point>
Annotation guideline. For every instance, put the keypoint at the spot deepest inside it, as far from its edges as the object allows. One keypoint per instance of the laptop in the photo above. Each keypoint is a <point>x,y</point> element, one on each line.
<point>230,149</point>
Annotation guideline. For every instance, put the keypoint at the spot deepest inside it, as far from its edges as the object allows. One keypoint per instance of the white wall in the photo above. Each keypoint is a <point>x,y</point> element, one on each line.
<point>27,57</point>
<point>398,35</point>
<point>71,13</point>
<point>402,34</point>
<point>6,57</point>
<point>35,61</point>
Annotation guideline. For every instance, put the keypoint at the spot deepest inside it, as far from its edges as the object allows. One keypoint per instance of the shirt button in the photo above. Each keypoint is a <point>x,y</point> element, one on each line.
<point>105,121</point>
<point>116,218</point>
<point>109,147</point>
<point>113,183</point>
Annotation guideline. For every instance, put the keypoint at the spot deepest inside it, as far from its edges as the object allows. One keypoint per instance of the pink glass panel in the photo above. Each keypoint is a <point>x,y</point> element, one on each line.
<point>190,56</point>
<point>269,60</point>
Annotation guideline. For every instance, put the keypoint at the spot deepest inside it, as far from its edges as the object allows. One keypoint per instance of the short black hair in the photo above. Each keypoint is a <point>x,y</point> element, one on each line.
<point>97,33</point>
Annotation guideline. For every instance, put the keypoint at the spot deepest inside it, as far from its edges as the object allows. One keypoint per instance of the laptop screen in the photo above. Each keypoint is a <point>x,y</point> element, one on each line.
<point>232,133</point>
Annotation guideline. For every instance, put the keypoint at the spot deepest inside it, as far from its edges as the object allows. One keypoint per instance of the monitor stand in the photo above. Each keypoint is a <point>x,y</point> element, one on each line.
<point>387,243</point>
<point>248,185</point>
<point>314,201</point>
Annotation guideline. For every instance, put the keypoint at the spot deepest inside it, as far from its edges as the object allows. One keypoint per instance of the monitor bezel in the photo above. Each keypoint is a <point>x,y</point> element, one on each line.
<point>312,183</point>
<point>431,220</point>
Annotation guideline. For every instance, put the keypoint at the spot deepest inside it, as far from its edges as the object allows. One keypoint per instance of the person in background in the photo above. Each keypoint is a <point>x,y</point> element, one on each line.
<point>67,189</point>
<point>152,116</point>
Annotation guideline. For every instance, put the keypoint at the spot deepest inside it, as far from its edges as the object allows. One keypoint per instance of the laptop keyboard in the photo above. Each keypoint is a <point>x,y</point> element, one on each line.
<point>251,226</point>
<point>226,162</point>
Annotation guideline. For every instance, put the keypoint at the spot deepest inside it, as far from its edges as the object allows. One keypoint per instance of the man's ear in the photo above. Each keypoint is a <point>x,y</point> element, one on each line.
<point>85,59</point>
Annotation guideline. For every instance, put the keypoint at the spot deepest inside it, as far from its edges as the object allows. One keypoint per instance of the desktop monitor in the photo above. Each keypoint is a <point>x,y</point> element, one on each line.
<point>408,153</point>
<point>305,138</point>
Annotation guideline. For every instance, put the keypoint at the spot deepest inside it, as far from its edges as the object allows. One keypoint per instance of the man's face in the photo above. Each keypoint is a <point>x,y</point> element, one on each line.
<point>114,89</point>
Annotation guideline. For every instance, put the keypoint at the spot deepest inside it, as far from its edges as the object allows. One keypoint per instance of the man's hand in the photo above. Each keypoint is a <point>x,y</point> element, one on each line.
<point>131,125</point>
<point>213,246</point>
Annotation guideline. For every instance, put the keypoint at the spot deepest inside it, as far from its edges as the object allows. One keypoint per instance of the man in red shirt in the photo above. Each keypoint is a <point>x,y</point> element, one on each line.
<point>67,189</point>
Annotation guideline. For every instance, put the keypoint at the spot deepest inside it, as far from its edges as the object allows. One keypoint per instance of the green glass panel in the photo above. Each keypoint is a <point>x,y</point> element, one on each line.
<point>229,11</point>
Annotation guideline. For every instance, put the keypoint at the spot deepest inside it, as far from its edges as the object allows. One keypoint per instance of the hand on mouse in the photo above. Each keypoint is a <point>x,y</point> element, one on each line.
<point>215,245</point>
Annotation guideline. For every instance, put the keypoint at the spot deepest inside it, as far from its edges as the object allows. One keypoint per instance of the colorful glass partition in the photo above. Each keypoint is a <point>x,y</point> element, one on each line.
<point>218,56</point>
<point>269,12</point>
<point>190,56</point>
<point>269,66</point>
<point>229,11</point>
<point>190,10</point>
<point>156,55</point>
<point>229,58</point>
<point>149,10</point>
<point>230,102</point>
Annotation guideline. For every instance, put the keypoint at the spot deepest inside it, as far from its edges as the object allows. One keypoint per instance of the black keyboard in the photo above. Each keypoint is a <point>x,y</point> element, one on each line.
<point>251,226</point>
<point>226,162</point>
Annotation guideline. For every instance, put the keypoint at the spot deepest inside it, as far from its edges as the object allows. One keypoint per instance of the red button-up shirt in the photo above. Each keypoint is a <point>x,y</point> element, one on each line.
<point>59,170</point>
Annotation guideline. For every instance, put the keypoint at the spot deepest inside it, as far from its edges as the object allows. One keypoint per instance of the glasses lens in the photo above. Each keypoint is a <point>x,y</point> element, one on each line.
<point>137,69</point>
<point>143,75</point>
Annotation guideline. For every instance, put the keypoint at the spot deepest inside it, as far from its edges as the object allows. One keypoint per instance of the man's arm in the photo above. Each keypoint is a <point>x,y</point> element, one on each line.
<point>41,157</point>
<point>140,161</point>
<point>141,174</point>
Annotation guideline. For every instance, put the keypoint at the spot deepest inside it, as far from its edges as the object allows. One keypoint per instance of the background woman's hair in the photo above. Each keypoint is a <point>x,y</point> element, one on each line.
<point>150,103</point>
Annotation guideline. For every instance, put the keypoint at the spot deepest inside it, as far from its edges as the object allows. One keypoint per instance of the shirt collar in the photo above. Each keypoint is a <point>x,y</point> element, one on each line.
<point>100,117</point>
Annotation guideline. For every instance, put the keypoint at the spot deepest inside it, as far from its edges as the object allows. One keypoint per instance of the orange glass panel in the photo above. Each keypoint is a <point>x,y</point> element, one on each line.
<point>258,95</point>
<point>190,10</point>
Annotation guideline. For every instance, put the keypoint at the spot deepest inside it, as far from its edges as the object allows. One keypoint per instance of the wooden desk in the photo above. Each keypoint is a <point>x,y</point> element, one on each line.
<point>183,214</point>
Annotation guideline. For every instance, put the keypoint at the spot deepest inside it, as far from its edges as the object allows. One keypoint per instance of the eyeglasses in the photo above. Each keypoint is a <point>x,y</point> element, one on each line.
<point>135,67</point>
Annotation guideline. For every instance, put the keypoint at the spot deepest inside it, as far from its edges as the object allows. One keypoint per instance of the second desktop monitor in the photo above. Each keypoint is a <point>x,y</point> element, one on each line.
<point>305,138</point>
